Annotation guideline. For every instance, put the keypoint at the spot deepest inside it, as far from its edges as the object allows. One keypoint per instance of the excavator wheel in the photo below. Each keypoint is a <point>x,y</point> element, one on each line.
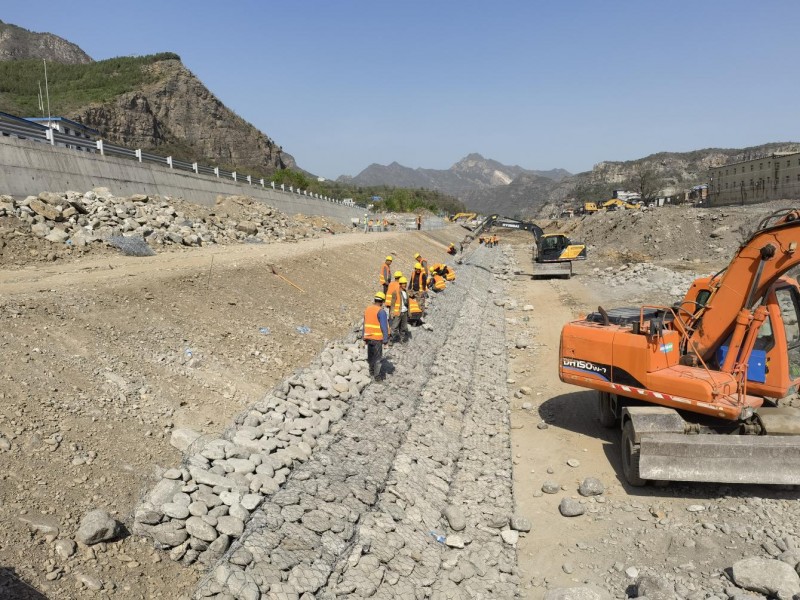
<point>630,456</point>
<point>609,415</point>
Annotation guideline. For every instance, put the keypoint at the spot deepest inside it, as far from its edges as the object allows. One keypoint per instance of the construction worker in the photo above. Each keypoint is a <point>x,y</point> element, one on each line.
<point>393,292</point>
<point>421,261</point>
<point>451,249</point>
<point>375,334</point>
<point>386,273</point>
<point>438,283</point>
<point>419,285</point>
<point>414,310</point>
<point>399,312</point>
<point>448,273</point>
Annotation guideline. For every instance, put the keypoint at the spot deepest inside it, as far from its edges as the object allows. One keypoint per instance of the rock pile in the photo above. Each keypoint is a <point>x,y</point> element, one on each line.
<point>649,279</point>
<point>78,219</point>
<point>198,509</point>
<point>392,502</point>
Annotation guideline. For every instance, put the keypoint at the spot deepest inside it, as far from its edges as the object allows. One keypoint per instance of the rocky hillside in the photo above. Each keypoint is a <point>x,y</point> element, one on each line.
<point>154,103</point>
<point>17,43</point>
<point>176,112</point>
<point>473,172</point>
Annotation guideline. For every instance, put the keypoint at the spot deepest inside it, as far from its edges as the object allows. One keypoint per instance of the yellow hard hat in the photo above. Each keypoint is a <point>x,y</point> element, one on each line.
<point>380,296</point>
<point>389,258</point>
<point>398,274</point>
<point>402,280</point>
<point>417,266</point>
<point>417,255</point>
<point>430,269</point>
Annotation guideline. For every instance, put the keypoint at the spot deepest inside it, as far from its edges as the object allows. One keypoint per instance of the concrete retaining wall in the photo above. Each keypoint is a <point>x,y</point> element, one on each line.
<point>28,168</point>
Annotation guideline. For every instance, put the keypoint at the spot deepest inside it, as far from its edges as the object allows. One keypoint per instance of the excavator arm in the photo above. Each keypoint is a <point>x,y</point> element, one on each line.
<point>769,253</point>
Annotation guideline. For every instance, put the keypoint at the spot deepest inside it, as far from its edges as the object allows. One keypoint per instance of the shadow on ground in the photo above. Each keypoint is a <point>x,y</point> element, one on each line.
<point>579,412</point>
<point>13,588</point>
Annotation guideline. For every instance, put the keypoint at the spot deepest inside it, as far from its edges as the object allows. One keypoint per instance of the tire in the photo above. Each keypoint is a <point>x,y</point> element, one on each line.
<point>608,410</point>
<point>630,456</point>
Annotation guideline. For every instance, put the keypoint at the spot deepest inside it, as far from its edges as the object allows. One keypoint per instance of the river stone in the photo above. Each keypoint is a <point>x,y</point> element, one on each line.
<point>520,523</point>
<point>569,507</point>
<point>654,587</point>
<point>231,526</point>
<point>96,526</point>
<point>169,534</point>
<point>198,528</point>
<point>182,438</point>
<point>591,486</point>
<point>175,511</point>
<point>455,518</point>
<point>766,576</point>
<point>551,487</point>
<point>510,536</point>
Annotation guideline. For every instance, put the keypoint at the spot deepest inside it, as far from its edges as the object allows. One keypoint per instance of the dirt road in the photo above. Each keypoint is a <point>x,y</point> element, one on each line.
<point>680,539</point>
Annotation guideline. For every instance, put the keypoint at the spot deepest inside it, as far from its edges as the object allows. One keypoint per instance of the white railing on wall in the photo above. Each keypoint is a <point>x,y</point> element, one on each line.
<point>38,133</point>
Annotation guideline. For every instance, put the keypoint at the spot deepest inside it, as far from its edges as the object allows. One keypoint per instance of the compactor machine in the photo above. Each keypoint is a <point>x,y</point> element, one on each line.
<point>703,390</point>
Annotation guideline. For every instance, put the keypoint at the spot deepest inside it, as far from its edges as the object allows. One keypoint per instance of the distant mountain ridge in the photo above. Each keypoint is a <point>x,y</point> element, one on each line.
<point>487,186</point>
<point>462,179</point>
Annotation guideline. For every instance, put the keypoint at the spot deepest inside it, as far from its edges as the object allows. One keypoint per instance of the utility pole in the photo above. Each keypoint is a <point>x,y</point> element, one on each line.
<point>47,91</point>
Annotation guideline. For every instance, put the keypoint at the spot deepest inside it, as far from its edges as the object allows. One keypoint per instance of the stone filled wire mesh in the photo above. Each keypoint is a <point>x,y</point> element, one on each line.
<point>131,245</point>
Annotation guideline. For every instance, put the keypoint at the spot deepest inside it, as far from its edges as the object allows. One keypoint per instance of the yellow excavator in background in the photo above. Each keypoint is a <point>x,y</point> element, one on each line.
<point>555,252</point>
<point>465,216</point>
<point>616,204</point>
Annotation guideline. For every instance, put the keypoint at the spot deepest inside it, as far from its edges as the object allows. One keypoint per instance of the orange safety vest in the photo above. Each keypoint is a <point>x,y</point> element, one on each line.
<point>449,274</point>
<point>372,326</point>
<point>386,274</point>
<point>393,296</point>
<point>438,283</point>
<point>414,311</point>
<point>419,283</point>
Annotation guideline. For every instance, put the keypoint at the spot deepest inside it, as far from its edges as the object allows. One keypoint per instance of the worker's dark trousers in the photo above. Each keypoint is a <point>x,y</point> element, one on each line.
<point>385,287</point>
<point>374,355</point>
<point>400,329</point>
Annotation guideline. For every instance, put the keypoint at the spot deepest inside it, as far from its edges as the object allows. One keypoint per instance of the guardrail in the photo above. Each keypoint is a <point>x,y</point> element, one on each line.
<point>40,133</point>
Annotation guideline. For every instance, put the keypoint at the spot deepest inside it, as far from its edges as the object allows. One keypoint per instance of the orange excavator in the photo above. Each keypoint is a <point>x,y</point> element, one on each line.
<point>703,389</point>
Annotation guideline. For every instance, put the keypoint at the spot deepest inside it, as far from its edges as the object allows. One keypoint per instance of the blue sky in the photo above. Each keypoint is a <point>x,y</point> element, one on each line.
<point>341,84</point>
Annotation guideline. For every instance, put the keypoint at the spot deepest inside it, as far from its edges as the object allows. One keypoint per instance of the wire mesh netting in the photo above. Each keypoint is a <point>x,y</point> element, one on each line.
<point>131,245</point>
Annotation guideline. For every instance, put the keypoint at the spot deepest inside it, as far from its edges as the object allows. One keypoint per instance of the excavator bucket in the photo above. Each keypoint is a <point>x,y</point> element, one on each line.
<point>767,459</point>
<point>552,269</point>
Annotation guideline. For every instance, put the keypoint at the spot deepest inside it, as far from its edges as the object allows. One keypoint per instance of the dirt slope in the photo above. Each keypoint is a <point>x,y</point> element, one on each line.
<point>102,357</point>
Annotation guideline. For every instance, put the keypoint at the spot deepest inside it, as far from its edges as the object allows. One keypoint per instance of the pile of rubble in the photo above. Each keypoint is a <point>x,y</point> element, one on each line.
<point>72,220</point>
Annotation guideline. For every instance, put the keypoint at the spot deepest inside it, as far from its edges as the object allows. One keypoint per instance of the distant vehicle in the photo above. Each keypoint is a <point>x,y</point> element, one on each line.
<point>617,204</point>
<point>589,208</point>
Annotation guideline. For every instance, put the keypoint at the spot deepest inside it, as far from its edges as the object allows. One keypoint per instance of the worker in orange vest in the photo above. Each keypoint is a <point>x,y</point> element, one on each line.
<point>414,310</point>
<point>386,273</point>
<point>421,261</point>
<point>438,284</point>
<point>399,314</point>
<point>419,285</point>
<point>393,292</point>
<point>375,334</point>
<point>451,249</point>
